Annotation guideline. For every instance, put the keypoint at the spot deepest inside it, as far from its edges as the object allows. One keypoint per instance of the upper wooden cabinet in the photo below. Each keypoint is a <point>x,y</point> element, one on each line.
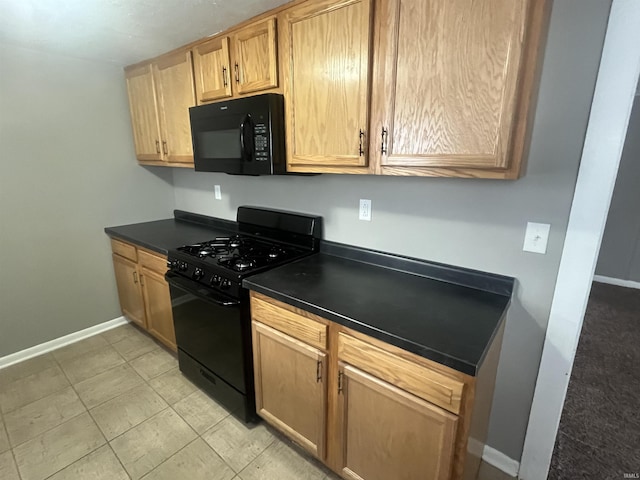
<point>174,80</point>
<point>144,113</point>
<point>325,62</point>
<point>255,57</point>
<point>244,62</point>
<point>160,94</point>
<point>211,67</point>
<point>452,84</point>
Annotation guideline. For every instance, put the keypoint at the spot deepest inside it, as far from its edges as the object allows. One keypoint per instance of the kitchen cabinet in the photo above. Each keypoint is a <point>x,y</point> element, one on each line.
<point>325,49</point>
<point>386,412</point>
<point>143,291</point>
<point>288,374</point>
<point>243,62</point>
<point>452,86</point>
<point>129,289</point>
<point>144,113</point>
<point>389,433</point>
<point>160,94</point>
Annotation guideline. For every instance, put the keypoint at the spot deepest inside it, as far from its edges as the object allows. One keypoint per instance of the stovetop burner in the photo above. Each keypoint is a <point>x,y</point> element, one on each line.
<point>240,253</point>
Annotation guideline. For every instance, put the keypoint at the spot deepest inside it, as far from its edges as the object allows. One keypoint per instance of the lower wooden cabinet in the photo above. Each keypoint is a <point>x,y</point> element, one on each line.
<point>129,291</point>
<point>386,432</point>
<point>290,374</point>
<point>143,291</point>
<point>367,409</point>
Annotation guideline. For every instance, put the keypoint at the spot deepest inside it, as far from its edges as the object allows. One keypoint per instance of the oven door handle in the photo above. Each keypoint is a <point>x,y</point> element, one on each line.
<point>195,288</point>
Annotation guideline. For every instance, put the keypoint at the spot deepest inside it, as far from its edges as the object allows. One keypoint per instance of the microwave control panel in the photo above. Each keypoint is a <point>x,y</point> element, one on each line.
<point>261,141</point>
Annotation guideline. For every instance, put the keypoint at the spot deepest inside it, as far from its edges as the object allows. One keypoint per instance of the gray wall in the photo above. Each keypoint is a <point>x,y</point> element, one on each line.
<point>67,170</point>
<point>473,223</point>
<point>620,249</point>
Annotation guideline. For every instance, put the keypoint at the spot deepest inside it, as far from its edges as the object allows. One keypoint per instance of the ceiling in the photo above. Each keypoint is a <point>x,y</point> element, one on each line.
<point>119,31</point>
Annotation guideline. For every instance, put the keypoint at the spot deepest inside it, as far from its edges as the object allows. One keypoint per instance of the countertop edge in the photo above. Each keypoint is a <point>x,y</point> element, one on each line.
<point>136,241</point>
<point>448,361</point>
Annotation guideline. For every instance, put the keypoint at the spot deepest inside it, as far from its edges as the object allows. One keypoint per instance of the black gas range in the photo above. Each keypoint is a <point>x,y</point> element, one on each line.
<point>211,309</point>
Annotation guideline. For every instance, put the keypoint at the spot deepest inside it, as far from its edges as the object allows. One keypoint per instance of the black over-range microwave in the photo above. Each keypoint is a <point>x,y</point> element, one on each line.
<point>244,136</point>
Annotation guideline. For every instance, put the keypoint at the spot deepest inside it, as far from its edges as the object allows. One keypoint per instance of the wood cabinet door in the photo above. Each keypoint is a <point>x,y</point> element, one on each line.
<point>157,302</point>
<point>290,378</point>
<point>255,57</point>
<point>325,60</point>
<point>144,113</point>
<point>445,82</point>
<point>389,433</point>
<point>211,70</point>
<point>129,291</point>
<point>174,80</point>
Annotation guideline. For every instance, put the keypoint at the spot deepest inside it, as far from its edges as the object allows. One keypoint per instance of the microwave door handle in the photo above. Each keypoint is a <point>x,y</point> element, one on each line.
<point>247,152</point>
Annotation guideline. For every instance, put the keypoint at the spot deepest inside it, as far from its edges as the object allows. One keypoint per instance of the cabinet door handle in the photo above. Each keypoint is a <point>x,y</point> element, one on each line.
<point>319,371</point>
<point>340,386</point>
<point>224,76</point>
<point>157,146</point>
<point>165,149</point>
<point>237,73</point>
<point>385,135</point>
<point>135,277</point>
<point>141,280</point>
<point>361,149</point>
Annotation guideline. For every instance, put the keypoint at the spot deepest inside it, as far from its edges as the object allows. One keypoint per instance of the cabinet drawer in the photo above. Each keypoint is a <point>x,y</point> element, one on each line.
<point>423,382</point>
<point>303,328</point>
<point>153,262</point>
<point>125,250</point>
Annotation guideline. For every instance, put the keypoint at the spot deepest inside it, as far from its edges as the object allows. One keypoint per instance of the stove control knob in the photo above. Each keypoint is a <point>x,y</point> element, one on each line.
<point>225,284</point>
<point>198,273</point>
<point>172,264</point>
<point>183,266</point>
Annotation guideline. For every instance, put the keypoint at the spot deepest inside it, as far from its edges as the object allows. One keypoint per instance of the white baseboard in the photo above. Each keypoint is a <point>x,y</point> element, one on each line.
<point>616,281</point>
<point>60,342</point>
<point>500,461</point>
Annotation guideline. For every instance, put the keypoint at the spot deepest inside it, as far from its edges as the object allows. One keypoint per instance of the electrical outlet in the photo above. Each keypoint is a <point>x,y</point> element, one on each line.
<point>536,237</point>
<point>365,210</point>
<point>218,194</point>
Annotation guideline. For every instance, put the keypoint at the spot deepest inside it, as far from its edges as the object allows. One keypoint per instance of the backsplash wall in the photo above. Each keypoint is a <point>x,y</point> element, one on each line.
<point>472,223</point>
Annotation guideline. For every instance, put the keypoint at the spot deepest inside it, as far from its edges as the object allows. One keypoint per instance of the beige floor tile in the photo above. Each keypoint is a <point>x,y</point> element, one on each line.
<point>152,442</point>
<point>54,450</point>
<point>172,386</point>
<point>119,333</point>
<point>135,345</point>
<point>4,439</point>
<point>68,353</point>
<point>31,388</point>
<point>128,410</point>
<point>154,363</point>
<point>196,462</point>
<point>280,461</point>
<point>8,469</point>
<point>200,411</point>
<point>237,444</point>
<point>489,472</point>
<point>92,363</point>
<point>35,418</point>
<point>26,368</point>
<point>108,385</point>
<point>101,464</point>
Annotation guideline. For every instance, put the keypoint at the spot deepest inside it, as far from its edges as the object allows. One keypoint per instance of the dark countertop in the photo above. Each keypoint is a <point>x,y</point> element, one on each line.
<point>444,313</point>
<point>449,323</point>
<point>184,229</point>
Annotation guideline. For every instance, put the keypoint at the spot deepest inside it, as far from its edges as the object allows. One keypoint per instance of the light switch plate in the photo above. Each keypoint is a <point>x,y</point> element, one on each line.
<point>365,210</point>
<point>536,237</point>
<point>217,192</point>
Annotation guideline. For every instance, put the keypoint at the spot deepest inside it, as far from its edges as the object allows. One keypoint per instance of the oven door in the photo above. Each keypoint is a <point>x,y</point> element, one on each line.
<point>209,329</point>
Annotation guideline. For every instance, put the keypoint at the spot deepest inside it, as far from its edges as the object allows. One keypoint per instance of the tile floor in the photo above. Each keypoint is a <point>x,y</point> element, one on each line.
<point>115,406</point>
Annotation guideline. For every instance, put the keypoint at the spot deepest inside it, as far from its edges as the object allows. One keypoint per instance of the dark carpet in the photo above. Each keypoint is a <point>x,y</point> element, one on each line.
<point>599,435</point>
